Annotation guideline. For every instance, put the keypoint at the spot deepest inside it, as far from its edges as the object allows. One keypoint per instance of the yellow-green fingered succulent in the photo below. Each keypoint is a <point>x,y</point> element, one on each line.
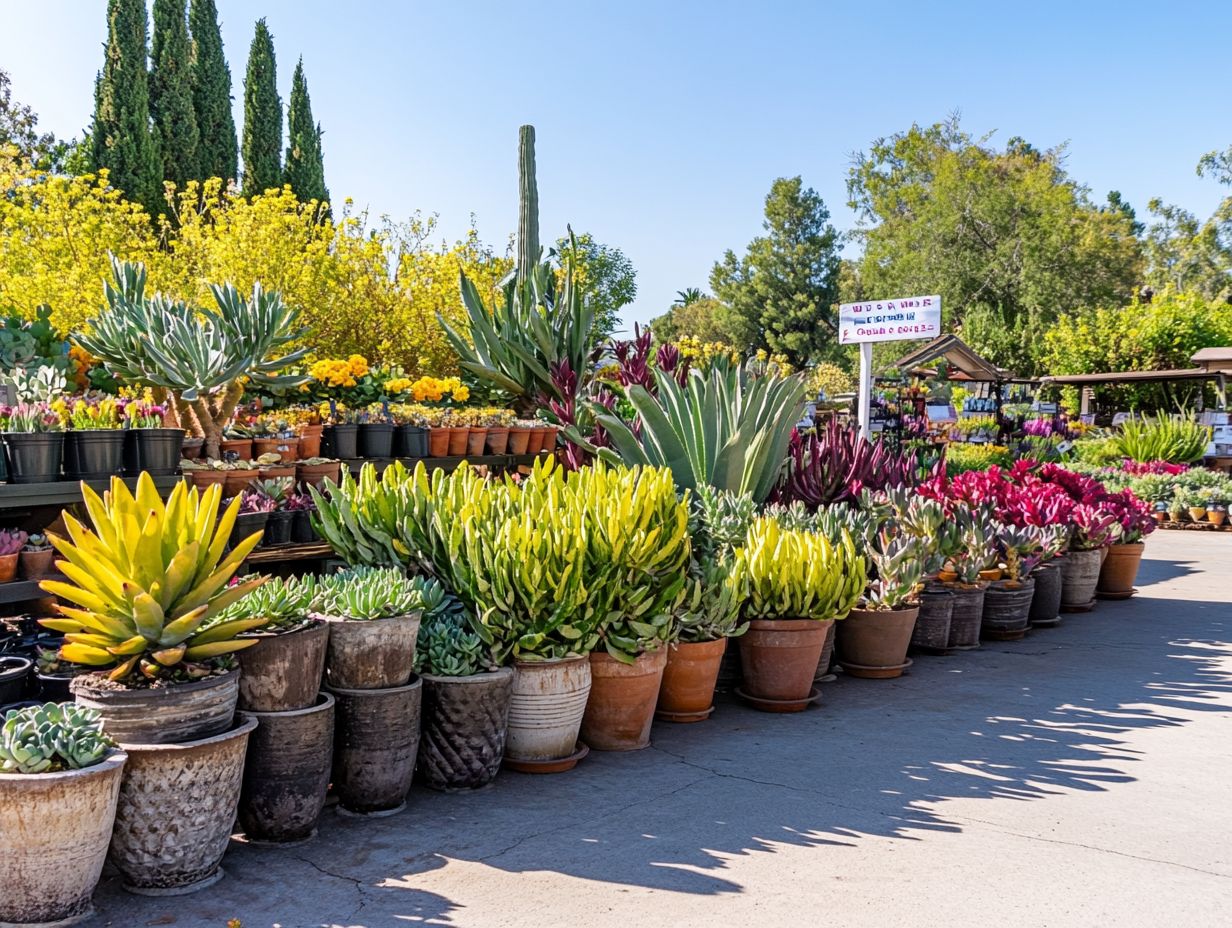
<point>796,574</point>
<point>147,579</point>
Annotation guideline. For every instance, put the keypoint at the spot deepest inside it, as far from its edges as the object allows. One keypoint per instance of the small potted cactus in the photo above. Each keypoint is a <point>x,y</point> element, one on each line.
<point>59,783</point>
<point>37,558</point>
<point>12,541</point>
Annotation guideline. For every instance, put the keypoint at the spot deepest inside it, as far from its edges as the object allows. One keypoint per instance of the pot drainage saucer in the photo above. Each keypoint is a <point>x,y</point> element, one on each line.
<point>1046,623</point>
<point>663,716</point>
<point>779,705</point>
<point>875,673</point>
<point>553,765</point>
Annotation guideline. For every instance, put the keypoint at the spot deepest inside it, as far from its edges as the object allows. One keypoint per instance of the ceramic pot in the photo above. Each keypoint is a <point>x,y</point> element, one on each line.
<point>316,474</point>
<point>873,644</point>
<point>1007,610</point>
<point>375,744</point>
<point>779,658</point>
<point>240,447</point>
<point>687,693</point>
<point>371,655</point>
<point>8,567</point>
<point>287,448</point>
<point>476,438</point>
<point>1046,601</point>
<point>204,479</point>
<point>1120,569</point>
<point>622,700</point>
<point>465,720</point>
<point>182,712</point>
<point>932,626</point>
<point>966,616</point>
<point>282,673</point>
<point>1079,577</point>
<point>546,708</point>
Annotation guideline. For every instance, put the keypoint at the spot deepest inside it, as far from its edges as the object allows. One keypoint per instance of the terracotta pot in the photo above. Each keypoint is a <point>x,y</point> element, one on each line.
<point>237,481</point>
<point>1120,569</point>
<point>458,438</point>
<point>282,673</point>
<point>176,812</point>
<point>545,711</point>
<point>622,700</point>
<point>465,720</point>
<point>1046,600</point>
<point>779,657</point>
<point>1197,513</point>
<point>203,479</point>
<point>534,440</point>
<point>35,565</point>
<point>190,448</point>
<point>286,772</point>
<point>371,655</point>
<point>873,644</point>
<point>991,575</point>
<point>1007,609</point>
<point>932,626</point>
<point>687,693</point>
<point>547,439</point>
<point>1216,516</point>
<point>1079,576</point>
<point>242,447</point>
<point>826,661</point>
<point>965,616</point>
<point>287,449</point>
<point>498,440</point>
<point>519,440</point>
<point>475,440</point>
<point>310,441</point>
<point>56,828</point>
<point>8,567</point>
<point>731,671</point>
<point>438,442</point>
<point>375,744</point>
<point>277,472</point>
<point>161,715</point>
<point>316,474</point>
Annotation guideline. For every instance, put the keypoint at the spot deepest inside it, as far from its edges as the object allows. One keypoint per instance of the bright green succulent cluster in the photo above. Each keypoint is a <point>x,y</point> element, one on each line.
<point>723,519</point>
<point>448,645</point>
<point>283,601</point>
<point>52,737</point>
<point>800,575</point>
<point>370,593</point>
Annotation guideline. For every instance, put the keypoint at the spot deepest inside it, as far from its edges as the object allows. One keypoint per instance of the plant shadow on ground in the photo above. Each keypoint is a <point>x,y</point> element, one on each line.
<point>1014,721</point>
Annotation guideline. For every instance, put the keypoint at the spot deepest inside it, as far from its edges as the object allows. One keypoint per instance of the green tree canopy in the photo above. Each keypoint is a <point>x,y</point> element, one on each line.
<point>171,93</point>
<point>1184,253</point>
<point>305,164</point>
<point>218,149</point>
<point>262,145</point>
<point>606,277</point>
<point>782,292</point>
<point>19,128</point>
<point>703,318</point>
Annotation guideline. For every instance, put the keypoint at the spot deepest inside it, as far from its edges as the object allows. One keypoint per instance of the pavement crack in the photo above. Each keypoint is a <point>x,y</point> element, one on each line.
<point>360,885</point>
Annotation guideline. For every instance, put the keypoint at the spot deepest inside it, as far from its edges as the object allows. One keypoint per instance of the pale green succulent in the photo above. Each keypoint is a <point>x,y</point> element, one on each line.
<point>369,593</point>
<point>52,737</point>
<point>715,595</point>
<point>723,519</point>
<point>448,645</point>
<point>284,601</point>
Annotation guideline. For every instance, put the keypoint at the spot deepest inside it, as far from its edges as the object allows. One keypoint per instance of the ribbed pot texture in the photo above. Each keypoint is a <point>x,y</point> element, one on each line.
<point>966,616</point>
<point>779,657</point>
<point>874,639</point>
<point>371,655</point>
<point>545,711</point>
<point>376,740</point>
<point>55,828</point>
<point>162,715</point>
<point>622,700</point>
<point>1120,568</point>
<point>1079,575</point>
<point>932,626</point>
<point>176,811</point>
<point>826,660</point>
<point>687,692</point>
<point>1046,600</point>
<point>286,773</point>
<point>1007,609</point>
<point>283,672</point>
<point>465,720</point>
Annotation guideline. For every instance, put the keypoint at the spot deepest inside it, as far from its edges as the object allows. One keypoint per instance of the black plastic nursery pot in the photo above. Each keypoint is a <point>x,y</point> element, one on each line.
<point>278,529</point>
<point>93,454</point>
<point>302,532</point>
<point>340,441</point>
<point>156,451</point>
<point>246,523</point>
<point>376,440</point>
<point>14,670</point>
<point>33,457</point>
<point>54,687</point>
<point>410,441</point>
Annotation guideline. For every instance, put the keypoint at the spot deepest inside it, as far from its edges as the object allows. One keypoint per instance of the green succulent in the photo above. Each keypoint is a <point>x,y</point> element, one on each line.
<point>714,597</point>
<point>370,593</point>
<point>52,737</point>
<point>448,645</point>
<point>284,601</point>
<point>723,519</point>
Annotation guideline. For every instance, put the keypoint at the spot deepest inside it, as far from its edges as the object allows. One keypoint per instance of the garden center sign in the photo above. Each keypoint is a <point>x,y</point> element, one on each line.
<point>910,318</point>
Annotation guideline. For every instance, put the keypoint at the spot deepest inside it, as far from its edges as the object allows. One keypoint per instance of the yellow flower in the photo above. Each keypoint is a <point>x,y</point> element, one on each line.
<point>358,365</point>
<point>461,394</point>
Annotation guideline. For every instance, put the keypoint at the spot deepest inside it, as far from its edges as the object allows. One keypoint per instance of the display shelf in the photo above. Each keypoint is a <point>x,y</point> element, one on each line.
<point>317,550</point>
<point>501,461</point>
<point>26,496</point>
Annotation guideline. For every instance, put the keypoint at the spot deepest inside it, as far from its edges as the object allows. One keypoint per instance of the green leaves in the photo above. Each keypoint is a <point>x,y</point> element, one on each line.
<point>1176,439</point>
<point>52,737</point>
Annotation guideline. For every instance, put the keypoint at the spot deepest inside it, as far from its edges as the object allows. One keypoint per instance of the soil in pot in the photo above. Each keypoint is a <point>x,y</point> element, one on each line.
<point>14,672</point>
<point>282,673</point>
<point>546,708</point>
<point>341,441</point>
<point>37,565</point>
<point>376,440</point>
<point>873,644</point>
<point>33,457</point>
<point>966,616</point>
<point>163,714</point>
<point>375,744</point>
<point>93,454</point>
<point>176,812</point>
<point>622,700</point>
<point>779,659</point>
<point>932,626</point>
<point>465,720</point>
<point>1079,577</point>
<point>191,449</point>
<point>1007,610</point>
<point>278,529</point>
<point>1120,569</point>
<point>286,772</point>
<point>370,655</point>
<point>687,693</point>
<point>64,821</point>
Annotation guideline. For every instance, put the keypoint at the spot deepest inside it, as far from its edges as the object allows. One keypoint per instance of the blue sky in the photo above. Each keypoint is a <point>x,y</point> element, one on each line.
<point>662,124</point>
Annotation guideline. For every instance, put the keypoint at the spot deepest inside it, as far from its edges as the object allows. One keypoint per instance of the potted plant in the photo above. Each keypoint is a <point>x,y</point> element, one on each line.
<point>798,583</point>
<point>272,434</point>
<point>306,421</point>
<point>237,443</point>
<point>1176,506</point>
<point>54,675</point>
<point>457,421</point>
<point>465,702</point>
<point>521,432</point>
<point>33,437</point>
<point>1215,505</point>
<point>1007,602</point>
<point>12,541</point>
<point>969,542</point>
<point>278,523</point>
<point>340,437</point>
<point>873,639</point>
<point>1195,502</point>
<point>497,422</point>
<point>150,445</point>
<point>302,505</point>
<point>316,470</point>
<point>59,783</point>
<point>251,517</point>
<point>1092,529</point>
<point>411,432</point>
<point>376,432</point>
<point>1133,523</point>
<point>94,442</point>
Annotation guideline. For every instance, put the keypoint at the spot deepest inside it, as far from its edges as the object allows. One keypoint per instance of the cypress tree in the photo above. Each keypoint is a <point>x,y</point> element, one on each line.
<point>305,165</point>
<point>171,96</point>
<point>121,140</point>
<point>262,145</point>
<point>218,150</point>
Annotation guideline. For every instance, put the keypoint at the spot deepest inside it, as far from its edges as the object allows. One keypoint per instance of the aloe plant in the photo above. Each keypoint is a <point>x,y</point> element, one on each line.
<point>1176,439</point>
<point>52,737</point>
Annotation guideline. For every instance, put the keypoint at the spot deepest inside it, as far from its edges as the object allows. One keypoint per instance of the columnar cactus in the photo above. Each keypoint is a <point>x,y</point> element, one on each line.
<point>528,205</point>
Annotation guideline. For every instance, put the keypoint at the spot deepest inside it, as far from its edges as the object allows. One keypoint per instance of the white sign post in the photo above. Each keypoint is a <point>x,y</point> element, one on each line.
<point>913,317</point>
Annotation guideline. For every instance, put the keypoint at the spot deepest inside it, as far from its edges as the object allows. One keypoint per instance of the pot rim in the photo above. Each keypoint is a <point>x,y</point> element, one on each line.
<point>341,691</point>
<point>787,624</point>
<point>315,622</point>
<point>155,692</point>
<point>347,620</point>
<point>519,663</point>
<point>115,758</point>
<point>323,702</point>
<point>895,613</point>
<point>19,669</point>
<point>237,729</point>
<point>487,676</point>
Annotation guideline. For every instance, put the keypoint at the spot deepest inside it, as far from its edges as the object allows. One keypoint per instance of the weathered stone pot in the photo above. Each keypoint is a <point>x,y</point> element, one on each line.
<point>465,720</point>
<point>779,658</point>
<point>731,671</point>
<point>375,743</point>
<point>286,772</point>
<point>622,700</point>
<point>1007,610</point>
<point>54,829</point>
<point>1079,576</point>
<point>966,616</point>
<point>932,626</point>
<point>371,655</point>
<point>1120,569</point>
<point>283,672</point>
<point>1046,601</point>
<point>161,715</point>
<point>687,692</point>
<point>545,711</point>
<point>873,644</point>
<point>176,811</point>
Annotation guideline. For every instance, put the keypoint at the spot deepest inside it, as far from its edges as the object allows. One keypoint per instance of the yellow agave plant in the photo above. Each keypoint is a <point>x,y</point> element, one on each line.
<point>799,574</point>
<point>148,579</point>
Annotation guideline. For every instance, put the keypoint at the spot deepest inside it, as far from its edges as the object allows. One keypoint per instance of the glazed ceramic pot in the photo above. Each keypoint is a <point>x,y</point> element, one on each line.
<point>546,708</point>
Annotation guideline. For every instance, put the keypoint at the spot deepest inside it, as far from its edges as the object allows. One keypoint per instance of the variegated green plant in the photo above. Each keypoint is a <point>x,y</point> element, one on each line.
<point>52,737</point>
<point>800,575</point>
<point>371,593</point>
<point>448,645</point>
<point>722,520</point>
<point>714,599</point>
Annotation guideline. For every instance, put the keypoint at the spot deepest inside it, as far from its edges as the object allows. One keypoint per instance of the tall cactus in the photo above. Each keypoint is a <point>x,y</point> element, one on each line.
<point>528,212</point>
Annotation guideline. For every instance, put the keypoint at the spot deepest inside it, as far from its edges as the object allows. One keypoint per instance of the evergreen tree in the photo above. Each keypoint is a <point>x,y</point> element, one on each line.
<point>262,145</point>
<point>171,93</point>
<point>218,149</point>
<point>305,165</point>
<point>120,137</point>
